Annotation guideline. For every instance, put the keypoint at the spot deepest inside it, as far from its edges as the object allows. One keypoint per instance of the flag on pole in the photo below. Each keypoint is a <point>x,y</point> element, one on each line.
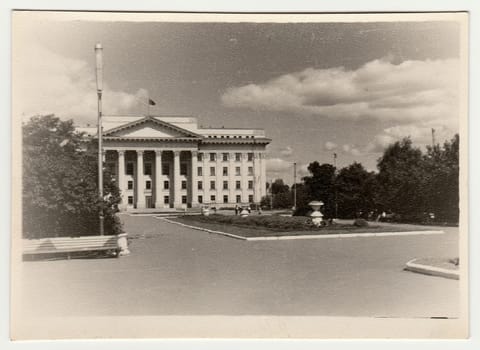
<point>151,102</point>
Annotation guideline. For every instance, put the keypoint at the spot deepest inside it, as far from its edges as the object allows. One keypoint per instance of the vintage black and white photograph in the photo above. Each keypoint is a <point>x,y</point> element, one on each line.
<point>234,175</point>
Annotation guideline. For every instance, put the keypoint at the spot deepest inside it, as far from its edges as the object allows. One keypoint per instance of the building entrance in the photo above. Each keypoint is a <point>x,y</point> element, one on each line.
<point>148,202</point>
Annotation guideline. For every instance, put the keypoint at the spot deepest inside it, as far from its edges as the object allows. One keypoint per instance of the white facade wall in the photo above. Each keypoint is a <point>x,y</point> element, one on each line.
<point>140,159</point>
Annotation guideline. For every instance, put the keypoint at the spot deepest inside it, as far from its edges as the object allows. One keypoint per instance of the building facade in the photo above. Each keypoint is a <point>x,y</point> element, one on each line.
<point>170,162</point>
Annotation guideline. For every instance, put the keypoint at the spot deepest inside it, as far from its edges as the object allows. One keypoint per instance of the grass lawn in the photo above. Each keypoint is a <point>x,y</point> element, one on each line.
<point>273,226</point>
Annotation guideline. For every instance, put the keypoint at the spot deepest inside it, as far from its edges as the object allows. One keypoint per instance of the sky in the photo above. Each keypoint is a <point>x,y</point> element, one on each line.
<point>316,88</point>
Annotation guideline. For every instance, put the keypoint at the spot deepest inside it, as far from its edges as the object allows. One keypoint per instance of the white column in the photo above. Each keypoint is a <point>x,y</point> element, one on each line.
<point>244,172</point>
<point>206,182</point>
<point>193,177</point>
<point>121,178</point>
<point>219,178</point>
<point>231,178</point>
<point>256,174</point>
<point>158,179</point>
<point>177,197</point>
<point>263,173</point>
<point>140,181</point>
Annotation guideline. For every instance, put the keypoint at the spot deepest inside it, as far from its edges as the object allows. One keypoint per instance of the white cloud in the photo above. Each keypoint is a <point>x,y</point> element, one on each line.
<point>287,151</point>
<point>329,146</point>
<point>276,165</point>
<point>410,98</point>
<point>302,170</point>
<point>352,149</point>
<point>46,82</point>
<point>420,134</point>
<point>405,93</point>
<point>278,168</point>
<point>379,143</point>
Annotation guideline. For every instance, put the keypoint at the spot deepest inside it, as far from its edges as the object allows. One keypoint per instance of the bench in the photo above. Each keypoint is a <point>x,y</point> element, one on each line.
<point>71,245</point>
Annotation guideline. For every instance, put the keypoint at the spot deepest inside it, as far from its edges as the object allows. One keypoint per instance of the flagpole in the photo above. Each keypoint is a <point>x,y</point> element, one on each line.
<point>148,104</point>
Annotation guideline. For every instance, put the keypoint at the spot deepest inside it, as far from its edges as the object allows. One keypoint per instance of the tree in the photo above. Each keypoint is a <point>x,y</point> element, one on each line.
<point>401,180</point>
<point>282,198</point>
<point>60,192</point>
<point>303,198</point>
<point>441,180</point>
<point>320,186</point>
<point>356,191</point>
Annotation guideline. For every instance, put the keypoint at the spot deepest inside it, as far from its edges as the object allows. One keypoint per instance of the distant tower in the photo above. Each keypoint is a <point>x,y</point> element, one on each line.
<point>433,137</point>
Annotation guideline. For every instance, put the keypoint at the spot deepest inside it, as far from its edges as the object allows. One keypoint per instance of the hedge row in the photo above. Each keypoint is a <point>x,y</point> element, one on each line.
<point>268,221</point>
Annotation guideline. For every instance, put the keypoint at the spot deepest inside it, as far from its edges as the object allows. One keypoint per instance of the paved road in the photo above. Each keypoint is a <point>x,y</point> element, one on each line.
<point>174,270</point>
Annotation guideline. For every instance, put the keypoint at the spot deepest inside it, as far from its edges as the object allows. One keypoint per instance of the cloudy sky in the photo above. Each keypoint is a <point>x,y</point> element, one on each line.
<point>316,88</point>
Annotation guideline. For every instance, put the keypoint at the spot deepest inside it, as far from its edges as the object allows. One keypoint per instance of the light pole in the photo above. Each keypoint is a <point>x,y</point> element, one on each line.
<point>294,186</point>
<point>336,190</point>
<point>99,75</point>
<point>271,194</point>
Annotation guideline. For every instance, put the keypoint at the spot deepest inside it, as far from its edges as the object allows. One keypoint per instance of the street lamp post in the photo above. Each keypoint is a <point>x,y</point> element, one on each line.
<point>99,76</point>
<point>336,190</point>
<point>294,186</point>
<point>271,194</point>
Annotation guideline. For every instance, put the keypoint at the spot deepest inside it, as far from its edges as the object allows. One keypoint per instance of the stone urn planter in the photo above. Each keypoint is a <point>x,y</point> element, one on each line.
<point>205,211</point>
<point>316,215</point>
<point>244,212</point>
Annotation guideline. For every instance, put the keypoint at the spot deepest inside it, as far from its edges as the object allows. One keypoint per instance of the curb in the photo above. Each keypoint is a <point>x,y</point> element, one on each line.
<point>347,235</point>
<point>202,229</point>
<point>278,238</point>
<point>431,270</point>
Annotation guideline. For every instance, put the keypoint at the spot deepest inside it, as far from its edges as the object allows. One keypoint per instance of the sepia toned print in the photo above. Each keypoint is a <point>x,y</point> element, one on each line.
<point>206,175</point>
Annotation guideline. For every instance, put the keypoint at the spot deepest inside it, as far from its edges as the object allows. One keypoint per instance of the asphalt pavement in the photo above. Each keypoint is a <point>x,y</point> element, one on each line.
<point>173,270</point>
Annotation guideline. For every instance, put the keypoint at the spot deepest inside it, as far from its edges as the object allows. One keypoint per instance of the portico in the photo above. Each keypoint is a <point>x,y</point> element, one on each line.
<point>159,163</point>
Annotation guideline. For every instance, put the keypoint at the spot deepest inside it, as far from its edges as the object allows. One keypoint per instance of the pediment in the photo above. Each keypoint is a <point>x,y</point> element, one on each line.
<point>150,128</point>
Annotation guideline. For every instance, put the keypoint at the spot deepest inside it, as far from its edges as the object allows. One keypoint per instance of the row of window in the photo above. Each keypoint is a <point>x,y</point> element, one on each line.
<point>166,185</point>
<point>238,185</point>
<point>238,171</point>
<point>225,157</point>
<point>183,166</point>
<point>166,199</point>
<point>184,170</point>
<point>147,169</point>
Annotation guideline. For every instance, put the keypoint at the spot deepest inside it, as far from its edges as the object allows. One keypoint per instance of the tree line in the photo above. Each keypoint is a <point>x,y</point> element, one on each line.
<point>60,193</point>
<point>411,185</point>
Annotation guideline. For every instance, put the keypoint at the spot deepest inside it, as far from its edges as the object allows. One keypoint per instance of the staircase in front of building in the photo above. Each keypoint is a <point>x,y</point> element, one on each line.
<point>165,211</point>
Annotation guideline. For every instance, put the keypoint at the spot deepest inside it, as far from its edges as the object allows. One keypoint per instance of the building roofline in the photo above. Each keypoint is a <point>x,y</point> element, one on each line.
<point>252,141</point>
<point>154,120</point>
<point>167,139</point>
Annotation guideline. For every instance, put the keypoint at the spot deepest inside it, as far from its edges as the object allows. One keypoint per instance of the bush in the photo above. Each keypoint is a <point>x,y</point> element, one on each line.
<point>283,223</point>
<point>302,211</point>
<point>360,223</point>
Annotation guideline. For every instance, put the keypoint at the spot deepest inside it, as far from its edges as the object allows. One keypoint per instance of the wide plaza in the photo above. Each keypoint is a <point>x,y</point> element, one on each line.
<point>174,270</point>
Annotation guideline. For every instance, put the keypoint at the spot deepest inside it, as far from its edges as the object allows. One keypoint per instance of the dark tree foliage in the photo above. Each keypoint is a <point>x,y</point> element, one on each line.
<point>60,174</point>
<point>441,180</point>
<point>278,186</point>
<point>412,184</point>
<point>320,186</point>
<point>303,198</point>
<point>401,175</point>
<point>280,196</point>
<point>355,191</point>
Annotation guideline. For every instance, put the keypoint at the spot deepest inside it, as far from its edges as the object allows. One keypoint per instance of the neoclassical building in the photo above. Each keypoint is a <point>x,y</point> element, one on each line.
<point>171,162</point>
